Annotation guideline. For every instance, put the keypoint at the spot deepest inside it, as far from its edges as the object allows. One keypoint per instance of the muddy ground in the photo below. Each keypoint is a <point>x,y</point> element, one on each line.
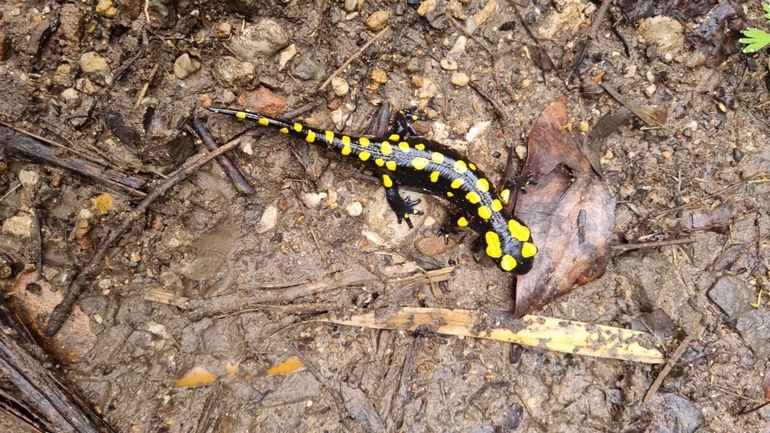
<point>74,73</point>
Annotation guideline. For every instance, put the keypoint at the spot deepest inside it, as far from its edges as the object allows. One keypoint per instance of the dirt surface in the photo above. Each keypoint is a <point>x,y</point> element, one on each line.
<point>317,233</point>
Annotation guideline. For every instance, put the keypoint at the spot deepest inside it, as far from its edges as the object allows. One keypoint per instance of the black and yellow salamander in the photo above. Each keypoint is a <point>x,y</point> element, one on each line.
<point>405,159</point>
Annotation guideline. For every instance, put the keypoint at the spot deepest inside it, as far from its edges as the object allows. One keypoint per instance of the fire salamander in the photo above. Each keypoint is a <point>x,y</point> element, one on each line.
<point>405,159</point>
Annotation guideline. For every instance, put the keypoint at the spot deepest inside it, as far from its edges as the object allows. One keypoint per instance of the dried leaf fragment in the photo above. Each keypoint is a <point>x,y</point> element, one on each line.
<point>195,377</point>
<point>291,364</point>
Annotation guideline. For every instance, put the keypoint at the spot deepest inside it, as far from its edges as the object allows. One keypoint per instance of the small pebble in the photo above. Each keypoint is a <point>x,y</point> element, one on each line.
<point>268,221</point>
<point>262,101</point>
<point>521,152</point>
<point>350,5</point>
<point>416,81</point>
<point>223,30</point>
<point>231,72</point>
<point>184,66</point>
<point>106,8</point>
<point>448,64</point>
<point>313,199</point>
<point>18,225</point>
<point>426,7</point>
<point>28,178</point>
<point>354,209</point>
<point>340,86</point>
<point>379,76</point>
<point>287,54</point>
<point>460,79</point>
<point>70,95</point>
<point>377,20</point>
<point>92,62</point>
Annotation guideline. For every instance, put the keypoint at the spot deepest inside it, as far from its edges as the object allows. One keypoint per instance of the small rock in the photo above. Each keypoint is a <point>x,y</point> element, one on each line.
<point>261,101</point>
<point>18,225</point>
<point>313,199</point>
<point>253,214</point>
<point>92,62</point>
<point>459,46</point>
<point>340,86</point>
<point>268,221</point>
<point>485,13</point>
<point>460,79</point>
<point>223,30</point>
<point>85,85</point>
<point>162,13</point>
<point>72,20</point>
<point>184,66</point>
<point>106,8</point>
<point>70,95</point>
<point>455,8</point>
<point>416,81</point>
<point>428,89</point>
<point>377,20</point>
<point>28,178</point>
<point>231,72</point>
<point>352,5</point>
<point>426,7</point>
<point>354,209</point>
<point>63,74</point>
<point>260,41</point>
<point>521,152</point>
<point>379,76</point>
<point>413,65</point>
<point>433,245</point>
<point>308,68</point>
<point>448,64</point>
<point>286,55</point>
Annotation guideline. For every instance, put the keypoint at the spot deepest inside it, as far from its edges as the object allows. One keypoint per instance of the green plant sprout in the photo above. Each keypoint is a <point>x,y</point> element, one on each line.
<point>756,39</point>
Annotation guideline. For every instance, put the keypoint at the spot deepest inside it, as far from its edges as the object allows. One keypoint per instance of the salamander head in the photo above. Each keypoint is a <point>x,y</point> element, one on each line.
<point>512,247</point>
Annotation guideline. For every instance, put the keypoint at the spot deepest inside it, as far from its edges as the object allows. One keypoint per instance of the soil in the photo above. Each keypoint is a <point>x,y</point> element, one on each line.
<point>316,222</point>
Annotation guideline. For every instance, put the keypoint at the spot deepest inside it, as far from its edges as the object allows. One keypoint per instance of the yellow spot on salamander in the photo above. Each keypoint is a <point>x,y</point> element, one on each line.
<point>364,155</point>
<point>460,167</point>
<point>518,231</point>
<point>240,115</point>
<point>404,146</point>
<point>434,176</point>
<point>387,181</point>
<point>329,137</point>
<point>263,121</point>
<point>493,245</point>
<point>284,130</point>
<point>496,205</point>
<point>508,263</point>
<point>298,127</point>
<point>345,139</point>
<point>394,137</point>
<point>364,142</point>
<point>449,194</point>
<point>391,165</point>
<point>419,146</point>
<point>462,222</point>
<point>472,166</point>
<point>436,157</point>
<point>379,162</point>
<point>385,148</point>
<point>482,185</point>
<point>473,197</point>
<point>346,150</point>
<point>505,195</point>
<point>485,212</point>
<point>310,137</point>
<point>528,250</point>
<point>420,163</point>
<point>457,183</point>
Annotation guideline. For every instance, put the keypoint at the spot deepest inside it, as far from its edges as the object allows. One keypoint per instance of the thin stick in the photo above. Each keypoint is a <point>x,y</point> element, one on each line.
<point>63,310</point>
<point>224,161</point>
<point>670,364</point>
<point>353,57</point>
<point>637,246</point>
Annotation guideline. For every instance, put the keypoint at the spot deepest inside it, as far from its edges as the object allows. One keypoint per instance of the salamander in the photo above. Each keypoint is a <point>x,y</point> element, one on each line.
<point>403,158</point>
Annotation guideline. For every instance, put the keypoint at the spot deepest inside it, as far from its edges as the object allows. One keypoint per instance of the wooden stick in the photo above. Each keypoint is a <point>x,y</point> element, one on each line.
<point>353,57</point>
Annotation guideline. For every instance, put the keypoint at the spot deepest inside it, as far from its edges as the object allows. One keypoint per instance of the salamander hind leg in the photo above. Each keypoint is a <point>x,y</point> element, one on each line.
<point>450,225</point>
<point>402,206</point>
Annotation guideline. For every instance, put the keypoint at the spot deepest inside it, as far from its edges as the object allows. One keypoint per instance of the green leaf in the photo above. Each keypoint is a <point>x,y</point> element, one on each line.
<point>766,7</point>
<point>755,40</point>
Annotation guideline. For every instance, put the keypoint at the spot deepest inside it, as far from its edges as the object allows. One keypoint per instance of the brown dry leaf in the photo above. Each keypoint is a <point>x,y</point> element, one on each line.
<point>195,377</point>
<point>291,364</point>
<point>766,385</point>
<point>534,331</point>
<point>680,9</point>
<point>33,300</point>
<point>570,212</point>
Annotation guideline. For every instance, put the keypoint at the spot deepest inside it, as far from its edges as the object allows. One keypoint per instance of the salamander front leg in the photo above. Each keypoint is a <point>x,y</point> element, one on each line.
<point>402,124</point>
<point>403,207</point>
<point>515,185</point>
